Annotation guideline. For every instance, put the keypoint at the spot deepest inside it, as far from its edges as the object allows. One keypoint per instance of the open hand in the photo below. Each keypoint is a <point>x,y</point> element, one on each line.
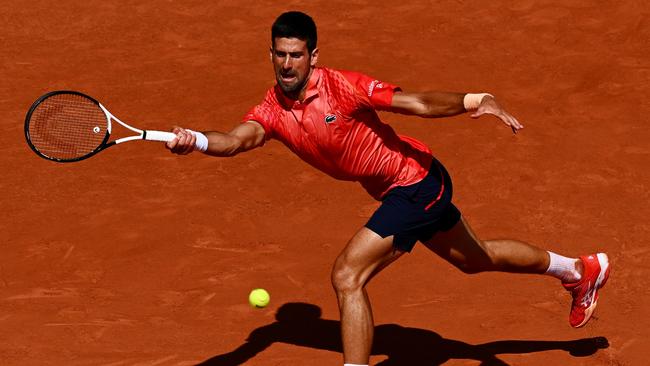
<point>490,106</point>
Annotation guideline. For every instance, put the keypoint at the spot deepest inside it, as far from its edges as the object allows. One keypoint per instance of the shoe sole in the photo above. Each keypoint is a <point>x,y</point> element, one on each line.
<point>603,261</point>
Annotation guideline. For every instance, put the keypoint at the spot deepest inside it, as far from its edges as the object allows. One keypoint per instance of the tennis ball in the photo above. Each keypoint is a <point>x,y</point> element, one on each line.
<point>259,298</point>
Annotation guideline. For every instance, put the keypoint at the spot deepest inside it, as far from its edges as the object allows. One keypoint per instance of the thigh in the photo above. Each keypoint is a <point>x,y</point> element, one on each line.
<point>459,245</point>
<point>365,255</point>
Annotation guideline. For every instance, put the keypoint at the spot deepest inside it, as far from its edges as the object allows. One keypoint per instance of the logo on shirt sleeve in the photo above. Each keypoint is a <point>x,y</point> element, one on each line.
<point>375,84</point>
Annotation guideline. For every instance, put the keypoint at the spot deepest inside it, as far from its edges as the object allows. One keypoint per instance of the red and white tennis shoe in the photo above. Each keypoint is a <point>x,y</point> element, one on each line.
<point>585,291</point>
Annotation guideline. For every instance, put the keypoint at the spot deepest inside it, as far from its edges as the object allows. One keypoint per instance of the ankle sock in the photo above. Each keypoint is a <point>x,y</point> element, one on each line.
<point>563,268</point>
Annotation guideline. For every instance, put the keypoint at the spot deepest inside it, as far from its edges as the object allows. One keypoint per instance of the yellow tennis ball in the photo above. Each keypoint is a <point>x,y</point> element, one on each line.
<point>259,298</point>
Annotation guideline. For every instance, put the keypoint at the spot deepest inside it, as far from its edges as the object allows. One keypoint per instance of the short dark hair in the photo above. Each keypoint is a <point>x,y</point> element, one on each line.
<point>295,24</point>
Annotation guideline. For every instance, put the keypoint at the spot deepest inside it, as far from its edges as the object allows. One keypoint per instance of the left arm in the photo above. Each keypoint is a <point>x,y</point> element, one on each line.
<point>429,105</point>
<point>444,104</point>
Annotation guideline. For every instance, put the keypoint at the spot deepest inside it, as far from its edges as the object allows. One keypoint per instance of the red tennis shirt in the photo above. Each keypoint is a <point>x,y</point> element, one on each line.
<point>336,129</point>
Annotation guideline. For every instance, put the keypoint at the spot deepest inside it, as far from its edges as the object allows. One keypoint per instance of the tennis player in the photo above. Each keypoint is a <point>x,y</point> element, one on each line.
<point>329,119</point>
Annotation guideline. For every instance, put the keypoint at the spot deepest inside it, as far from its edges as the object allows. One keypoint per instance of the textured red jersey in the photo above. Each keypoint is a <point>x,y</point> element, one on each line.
<point>336,129</point>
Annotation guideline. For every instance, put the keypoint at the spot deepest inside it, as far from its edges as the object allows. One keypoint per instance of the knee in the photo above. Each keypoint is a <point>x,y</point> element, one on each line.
<point>345,279</point>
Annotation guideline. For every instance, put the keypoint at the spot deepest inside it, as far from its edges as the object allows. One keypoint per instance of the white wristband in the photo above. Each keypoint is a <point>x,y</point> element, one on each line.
<point>472,101</point>
<point>201,143</point>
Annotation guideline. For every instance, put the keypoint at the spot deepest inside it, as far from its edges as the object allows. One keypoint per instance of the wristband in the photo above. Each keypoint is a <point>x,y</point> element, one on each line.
<point>472,101</point>
<point>201,143</point>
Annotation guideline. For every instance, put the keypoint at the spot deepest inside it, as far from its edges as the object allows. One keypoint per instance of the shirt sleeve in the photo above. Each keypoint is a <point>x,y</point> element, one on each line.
<point>261,114</point>
<point>379,94</point>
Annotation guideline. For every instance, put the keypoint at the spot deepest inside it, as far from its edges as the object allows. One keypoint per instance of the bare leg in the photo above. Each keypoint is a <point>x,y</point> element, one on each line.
<point>463,249</point>
<point>460,247</point>
<point>364,256</point>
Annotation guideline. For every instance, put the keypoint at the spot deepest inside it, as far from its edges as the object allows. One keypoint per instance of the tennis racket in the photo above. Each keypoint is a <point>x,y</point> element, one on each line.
<point>67,126</point>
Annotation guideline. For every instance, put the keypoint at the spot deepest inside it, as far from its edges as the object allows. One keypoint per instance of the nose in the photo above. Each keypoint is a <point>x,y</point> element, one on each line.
<point>287,64</point>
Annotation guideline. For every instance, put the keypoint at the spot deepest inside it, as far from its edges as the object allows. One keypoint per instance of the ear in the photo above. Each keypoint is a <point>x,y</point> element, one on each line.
<point>314,57</point>
<point>271,53</point>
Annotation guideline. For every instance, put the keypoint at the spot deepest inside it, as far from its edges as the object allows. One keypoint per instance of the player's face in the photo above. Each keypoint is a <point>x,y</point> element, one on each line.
<point>292,64</point>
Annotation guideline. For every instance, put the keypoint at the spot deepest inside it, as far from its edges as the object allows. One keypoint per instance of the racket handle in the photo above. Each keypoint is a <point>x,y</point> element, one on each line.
<point>201,140</point>
<point>158,136</point>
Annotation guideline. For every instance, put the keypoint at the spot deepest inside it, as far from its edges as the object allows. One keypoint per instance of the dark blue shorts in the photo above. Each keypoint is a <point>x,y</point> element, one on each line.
<point>418,211</point>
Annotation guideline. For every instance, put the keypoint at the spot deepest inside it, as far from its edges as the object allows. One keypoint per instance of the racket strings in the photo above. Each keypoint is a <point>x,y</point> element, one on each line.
<point>67,126</point>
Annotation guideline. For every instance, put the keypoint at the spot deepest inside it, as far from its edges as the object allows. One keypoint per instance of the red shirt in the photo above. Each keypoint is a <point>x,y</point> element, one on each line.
<point>336,129</point>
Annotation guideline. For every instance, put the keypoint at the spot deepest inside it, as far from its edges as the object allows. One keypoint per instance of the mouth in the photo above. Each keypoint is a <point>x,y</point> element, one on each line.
<point>288,79</point>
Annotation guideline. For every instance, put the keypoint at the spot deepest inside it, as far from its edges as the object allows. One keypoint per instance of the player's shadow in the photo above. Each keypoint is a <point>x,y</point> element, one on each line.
<point>301,324</point>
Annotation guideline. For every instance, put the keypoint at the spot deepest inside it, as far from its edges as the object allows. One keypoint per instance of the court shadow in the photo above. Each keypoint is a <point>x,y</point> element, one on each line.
<point>301,324</point>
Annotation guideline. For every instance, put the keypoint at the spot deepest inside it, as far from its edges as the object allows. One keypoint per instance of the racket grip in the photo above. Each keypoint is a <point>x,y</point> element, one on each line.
<point>159,136</point>
<point>201,143</point>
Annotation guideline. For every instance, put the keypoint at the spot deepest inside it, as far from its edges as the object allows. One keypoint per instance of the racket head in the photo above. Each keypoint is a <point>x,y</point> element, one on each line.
<point>67,126</point>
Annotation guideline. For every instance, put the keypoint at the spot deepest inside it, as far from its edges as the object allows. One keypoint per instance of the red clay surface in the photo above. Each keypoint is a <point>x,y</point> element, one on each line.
<point>138,257</point>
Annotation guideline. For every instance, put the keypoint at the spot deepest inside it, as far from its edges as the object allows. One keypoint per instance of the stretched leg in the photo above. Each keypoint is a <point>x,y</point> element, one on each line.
<point>364,256</point>
<point>463,249</point>
<point>583,276</point>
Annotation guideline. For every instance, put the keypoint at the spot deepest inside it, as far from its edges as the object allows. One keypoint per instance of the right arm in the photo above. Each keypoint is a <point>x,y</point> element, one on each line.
<point>244,137</point>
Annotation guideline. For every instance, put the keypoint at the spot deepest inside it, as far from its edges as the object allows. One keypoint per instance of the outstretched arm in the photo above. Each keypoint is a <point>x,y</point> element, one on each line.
<point>443,104</point>
<point>244,137</point>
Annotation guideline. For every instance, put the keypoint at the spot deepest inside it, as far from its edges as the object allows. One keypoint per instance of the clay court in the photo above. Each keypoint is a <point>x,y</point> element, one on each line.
<point>140,257</point>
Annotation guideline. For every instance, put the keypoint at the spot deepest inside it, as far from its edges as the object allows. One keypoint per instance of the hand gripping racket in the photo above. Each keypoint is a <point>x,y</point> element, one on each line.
<point>67,126</point>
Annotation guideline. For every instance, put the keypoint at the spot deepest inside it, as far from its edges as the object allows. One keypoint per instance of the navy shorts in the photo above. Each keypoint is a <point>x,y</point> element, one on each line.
<point>418,211</point>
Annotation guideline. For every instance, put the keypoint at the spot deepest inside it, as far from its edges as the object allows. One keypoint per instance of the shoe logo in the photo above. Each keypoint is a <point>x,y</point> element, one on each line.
<point>329,118</point>
<point>589,297</point>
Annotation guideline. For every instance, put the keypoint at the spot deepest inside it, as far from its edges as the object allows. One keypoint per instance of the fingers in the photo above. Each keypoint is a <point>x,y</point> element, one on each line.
<point>504,116</point>
<point>512,122</point>
<point>184,142</point>
<point>171,144</point>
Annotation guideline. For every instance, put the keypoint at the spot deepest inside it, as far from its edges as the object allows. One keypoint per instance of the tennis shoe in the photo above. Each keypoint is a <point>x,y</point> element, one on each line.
<point>585,291</point>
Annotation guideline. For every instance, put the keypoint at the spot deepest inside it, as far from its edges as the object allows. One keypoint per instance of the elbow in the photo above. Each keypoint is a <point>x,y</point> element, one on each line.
<point>430,112</point>
<point>420,108</point>
<point>428,109</point>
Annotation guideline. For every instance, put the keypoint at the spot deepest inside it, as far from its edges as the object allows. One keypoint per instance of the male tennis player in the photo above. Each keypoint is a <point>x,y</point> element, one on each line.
<point>328,118</point>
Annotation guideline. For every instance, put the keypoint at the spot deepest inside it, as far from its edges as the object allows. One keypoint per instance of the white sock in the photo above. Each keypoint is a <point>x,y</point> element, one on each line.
<point>563,268</point>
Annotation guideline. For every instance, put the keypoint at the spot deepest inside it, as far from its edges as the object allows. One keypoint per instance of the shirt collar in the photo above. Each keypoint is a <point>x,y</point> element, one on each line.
<point>311,92</point>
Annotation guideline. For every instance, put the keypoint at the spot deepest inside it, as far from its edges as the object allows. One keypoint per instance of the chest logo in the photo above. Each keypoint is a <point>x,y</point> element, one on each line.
<point>329,118</point>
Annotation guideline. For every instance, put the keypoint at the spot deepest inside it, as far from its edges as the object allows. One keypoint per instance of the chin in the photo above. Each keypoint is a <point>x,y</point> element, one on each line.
<point>289,88</point>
